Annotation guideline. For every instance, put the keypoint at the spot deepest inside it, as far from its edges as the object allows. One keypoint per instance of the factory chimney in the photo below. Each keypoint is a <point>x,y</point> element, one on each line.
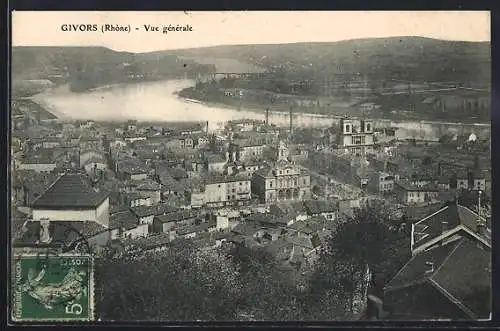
<point>291,120</point>
<point>267,117</point>
<point>206,127</point>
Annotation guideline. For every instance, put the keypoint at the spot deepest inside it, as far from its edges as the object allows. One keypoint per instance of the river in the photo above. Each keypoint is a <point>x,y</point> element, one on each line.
<point>157,101</point>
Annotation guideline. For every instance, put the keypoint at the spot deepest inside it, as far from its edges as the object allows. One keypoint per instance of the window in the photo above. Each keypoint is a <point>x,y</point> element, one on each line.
<point>234,190</point>
<point>241,183</point>
<point>368,127</point>
<point>218,186</point>
<point>347,128</point>
<point>229,197</point>
<point>270,184</point>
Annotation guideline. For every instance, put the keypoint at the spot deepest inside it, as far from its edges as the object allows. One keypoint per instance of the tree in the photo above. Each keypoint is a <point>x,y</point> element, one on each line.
<point>365,240</point>
<point>181,284</point>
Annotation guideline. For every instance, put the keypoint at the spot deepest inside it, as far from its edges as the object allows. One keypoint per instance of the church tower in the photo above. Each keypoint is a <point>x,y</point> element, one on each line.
<point>283,152</point>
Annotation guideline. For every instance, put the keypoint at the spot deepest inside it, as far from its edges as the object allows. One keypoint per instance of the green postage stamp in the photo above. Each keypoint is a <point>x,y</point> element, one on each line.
<point>53,288</point>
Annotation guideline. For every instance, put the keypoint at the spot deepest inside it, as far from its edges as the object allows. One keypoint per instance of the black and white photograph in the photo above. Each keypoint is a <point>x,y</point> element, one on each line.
<point>198,166</point>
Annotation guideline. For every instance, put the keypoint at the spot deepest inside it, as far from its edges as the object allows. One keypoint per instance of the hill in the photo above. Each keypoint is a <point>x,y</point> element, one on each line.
<point>88,67</point>
<point>406,58</point>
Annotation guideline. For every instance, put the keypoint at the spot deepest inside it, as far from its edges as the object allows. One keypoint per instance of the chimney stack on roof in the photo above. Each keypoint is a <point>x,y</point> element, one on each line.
<point>430,267</point>
<point>44,231</point>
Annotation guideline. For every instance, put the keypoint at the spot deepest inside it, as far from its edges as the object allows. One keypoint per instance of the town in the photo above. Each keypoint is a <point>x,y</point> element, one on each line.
<point>140,188</point>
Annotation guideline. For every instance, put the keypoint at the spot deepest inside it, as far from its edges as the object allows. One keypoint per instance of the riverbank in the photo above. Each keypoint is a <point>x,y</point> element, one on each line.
<point>335,115</point>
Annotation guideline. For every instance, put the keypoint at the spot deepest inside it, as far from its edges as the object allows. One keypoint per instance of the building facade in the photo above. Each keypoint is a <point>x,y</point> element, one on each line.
<point>284,181</point>
<point>230,190</point>
<point>356,136</point>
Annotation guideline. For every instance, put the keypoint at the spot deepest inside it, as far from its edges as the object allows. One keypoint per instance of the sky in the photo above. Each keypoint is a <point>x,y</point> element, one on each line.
<point>31,28</point>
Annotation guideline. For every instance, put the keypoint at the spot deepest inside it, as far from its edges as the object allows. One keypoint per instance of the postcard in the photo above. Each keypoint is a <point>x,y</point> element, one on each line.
<point>250,166</point>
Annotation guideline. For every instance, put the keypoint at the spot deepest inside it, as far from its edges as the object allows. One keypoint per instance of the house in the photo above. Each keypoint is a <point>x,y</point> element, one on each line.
<point>127,224</point>
<point>63,236</point>
<point>246,150</point>
<point>434,285</point>
<point>192,231</point>
<point>227,190</point>
<point>71,198</point>
<point>447,224</point>
<point>295,210</point>
<point>215,163</point>
<point>299,155</point>
<point>167,222</point>
<point>91,157</point>
<point>326,208</point>
<point>471,180</point>
<point>197,199</point>
<point>382,182</point>
<point>132,168</point>
<point>134,199</point>
<point>40,165</point>
<point>414,194</point>
<point>310,227</point>
<point>144,214</point>
<point>149,188</point>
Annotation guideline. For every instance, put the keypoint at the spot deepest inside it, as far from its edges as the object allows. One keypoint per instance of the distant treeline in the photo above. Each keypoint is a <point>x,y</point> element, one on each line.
<point>88,67</point>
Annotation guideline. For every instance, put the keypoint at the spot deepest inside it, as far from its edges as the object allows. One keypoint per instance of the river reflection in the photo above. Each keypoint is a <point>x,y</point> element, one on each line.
<point>157,101</point>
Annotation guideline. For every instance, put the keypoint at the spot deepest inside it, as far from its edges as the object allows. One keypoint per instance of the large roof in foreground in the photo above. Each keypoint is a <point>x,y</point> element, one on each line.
<point>70,191</point>
<point>461,271</point>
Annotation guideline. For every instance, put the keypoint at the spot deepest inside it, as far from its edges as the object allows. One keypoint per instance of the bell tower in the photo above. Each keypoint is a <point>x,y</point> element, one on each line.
<point>283,151</point>
<point>346,125</point>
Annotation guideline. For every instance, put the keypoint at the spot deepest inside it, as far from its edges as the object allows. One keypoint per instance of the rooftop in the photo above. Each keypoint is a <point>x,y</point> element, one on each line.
<point>450,216</point>
<point>443,268</point>
<point>177,216</point>
<point>63,233</point>
<point>123,219</point>
<point>70,191</point>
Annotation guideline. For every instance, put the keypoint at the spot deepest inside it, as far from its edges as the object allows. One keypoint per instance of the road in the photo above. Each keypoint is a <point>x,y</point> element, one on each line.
<point>342,189</point>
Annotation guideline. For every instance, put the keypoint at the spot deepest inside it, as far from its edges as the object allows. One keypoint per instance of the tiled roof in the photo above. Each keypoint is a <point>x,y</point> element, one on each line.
<point>123,219</point>
<point>177,216</point>
<point>62,232</point>
<point>154,241</point>
<point>417,213</point>
<point>147,185</point>
<point>450,216</point>
<point>461,271</point>
<point>266,172</point>
<point>246,229</point>
<point>70,191</point>
<point>193,229</point>
<point>315,207</point>
<point>143,211</point>
<point>164,209</point>
<point>289,208</point>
